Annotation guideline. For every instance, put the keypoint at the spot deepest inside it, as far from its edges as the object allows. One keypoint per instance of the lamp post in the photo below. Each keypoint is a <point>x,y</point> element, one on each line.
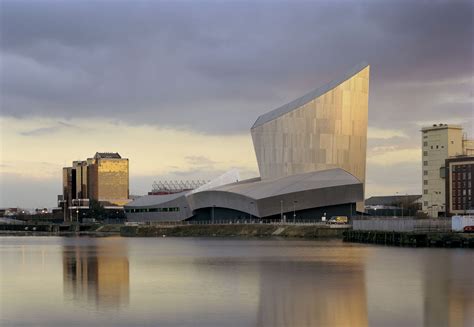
<point>250,215</point>
<point>294,211</point>
<point>281,211</point>
<point>77,215</point>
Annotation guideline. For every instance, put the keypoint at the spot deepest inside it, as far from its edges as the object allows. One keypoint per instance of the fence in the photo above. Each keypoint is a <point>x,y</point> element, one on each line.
<point>402,225</point>
<point>230,222</point>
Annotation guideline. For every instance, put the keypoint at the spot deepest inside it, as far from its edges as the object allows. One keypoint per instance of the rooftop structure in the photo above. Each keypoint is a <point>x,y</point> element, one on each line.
<point>109,155</point>
<point>170,187</point>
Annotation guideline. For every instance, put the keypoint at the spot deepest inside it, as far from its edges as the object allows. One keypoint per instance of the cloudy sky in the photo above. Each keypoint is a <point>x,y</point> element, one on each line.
<point>175,86</point>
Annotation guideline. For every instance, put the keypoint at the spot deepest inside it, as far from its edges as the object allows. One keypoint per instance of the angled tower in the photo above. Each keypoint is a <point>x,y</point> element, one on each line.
<point>326,128</point>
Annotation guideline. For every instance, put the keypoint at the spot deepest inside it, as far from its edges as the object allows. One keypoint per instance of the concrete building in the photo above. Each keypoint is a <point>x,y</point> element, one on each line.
<point>460,185</point>
<point>311,156</point>
<point>439,142</point>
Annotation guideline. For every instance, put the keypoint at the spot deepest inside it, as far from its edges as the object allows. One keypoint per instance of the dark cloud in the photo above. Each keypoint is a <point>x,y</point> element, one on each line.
<point>215,66</point>
<point>49,130</point>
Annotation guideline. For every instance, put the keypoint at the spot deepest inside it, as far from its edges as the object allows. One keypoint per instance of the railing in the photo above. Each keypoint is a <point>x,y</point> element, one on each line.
<point>235,222</point>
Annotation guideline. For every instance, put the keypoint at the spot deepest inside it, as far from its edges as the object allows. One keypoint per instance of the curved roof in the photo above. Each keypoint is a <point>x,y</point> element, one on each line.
<point>264,198</point>
<point>271,115</point>
<point>258,189</point>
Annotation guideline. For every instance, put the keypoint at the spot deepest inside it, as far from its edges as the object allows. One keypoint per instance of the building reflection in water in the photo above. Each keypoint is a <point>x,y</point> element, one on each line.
<point>97,274</point>
<point>448,291</point>
<point>314,293</point>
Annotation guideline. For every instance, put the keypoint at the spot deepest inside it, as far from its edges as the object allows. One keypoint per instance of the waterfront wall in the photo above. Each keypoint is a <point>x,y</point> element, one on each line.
<point>234,230</point>
<point>402,225</point>
<point>412,239</point>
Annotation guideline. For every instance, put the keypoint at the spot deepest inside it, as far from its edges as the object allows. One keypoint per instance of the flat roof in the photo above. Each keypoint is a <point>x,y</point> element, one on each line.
<point>440,126</point>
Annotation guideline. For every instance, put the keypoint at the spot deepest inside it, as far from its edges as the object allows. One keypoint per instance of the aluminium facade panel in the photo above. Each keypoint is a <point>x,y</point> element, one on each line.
<point>324,129</point>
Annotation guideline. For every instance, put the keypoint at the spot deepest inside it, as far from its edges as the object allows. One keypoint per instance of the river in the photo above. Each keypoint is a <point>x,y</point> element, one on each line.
<point>55,281</point>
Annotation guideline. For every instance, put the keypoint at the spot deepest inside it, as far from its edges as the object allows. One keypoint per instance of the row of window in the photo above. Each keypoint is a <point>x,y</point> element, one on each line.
<point>461,168</point>
<point>432,147</point>
<point>460,185</point>
<point>461,192</point>
<point>461,176</point>
<point>174,209</point>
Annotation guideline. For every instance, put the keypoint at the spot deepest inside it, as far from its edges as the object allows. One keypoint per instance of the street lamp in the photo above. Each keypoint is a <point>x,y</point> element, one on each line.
<point>281,210</point>
<point>250,215</point>
<point>294,211</point>
<point>77,215</point>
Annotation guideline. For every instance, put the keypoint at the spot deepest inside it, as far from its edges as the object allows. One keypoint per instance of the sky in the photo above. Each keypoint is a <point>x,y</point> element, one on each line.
<point>176,86</point>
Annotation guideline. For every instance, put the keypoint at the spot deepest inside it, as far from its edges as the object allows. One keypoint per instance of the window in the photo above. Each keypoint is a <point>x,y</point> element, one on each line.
<point>425,163</point>
<point>425,172</point>
<point>425,143</point>
<point>425,153</point>
<point>425,191</point>
<point>431,147</point>
<point>425,182</point>
<point>436,147</point>
<point>452,142</point>
<point>425,203</point>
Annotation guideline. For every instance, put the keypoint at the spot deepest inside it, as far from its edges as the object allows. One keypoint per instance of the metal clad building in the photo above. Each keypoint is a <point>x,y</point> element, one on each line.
<point>311,156</point>
<point>326,128</point>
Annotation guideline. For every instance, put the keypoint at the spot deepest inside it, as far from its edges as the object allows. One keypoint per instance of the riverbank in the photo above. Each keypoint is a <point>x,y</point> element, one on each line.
<point>91,230</point>
<point>411,239</point>
<point>234,230</point>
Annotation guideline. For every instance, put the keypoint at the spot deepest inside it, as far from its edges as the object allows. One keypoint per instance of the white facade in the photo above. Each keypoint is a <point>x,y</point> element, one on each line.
<point>439,142</point>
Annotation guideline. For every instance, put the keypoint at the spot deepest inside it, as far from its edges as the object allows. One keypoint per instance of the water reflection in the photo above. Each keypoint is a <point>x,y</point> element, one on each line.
<point>97,274</point>
<point>449,294</point>
<point>319,293</point>
<point>212,282</point>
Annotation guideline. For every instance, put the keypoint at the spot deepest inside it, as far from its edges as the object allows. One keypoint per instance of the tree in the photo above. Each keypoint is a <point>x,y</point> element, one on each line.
<point>97,210</point>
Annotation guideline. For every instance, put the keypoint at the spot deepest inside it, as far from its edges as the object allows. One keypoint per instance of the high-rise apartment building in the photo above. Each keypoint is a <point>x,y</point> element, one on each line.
<point>439,142</point>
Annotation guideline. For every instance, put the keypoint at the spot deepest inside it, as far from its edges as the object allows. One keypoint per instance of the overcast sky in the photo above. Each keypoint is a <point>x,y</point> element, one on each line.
<point>176,86</point>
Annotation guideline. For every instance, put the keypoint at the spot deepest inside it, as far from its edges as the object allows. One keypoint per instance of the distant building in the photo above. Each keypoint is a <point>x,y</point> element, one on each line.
<point>439,142</point>
<point>460,185</point>
<point>393,205</point>
<point>104,178</point>
<point>108,178</point>
<point>173,187</point>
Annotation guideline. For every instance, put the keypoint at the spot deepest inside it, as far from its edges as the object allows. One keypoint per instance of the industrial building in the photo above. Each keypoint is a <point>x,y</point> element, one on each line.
<point>311,155</point>
<point>440,142</point>
<point>398,205</point>
<point>104,178</point>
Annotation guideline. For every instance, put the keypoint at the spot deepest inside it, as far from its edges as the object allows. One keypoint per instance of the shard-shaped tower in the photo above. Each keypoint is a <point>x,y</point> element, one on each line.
<point>326,128</point>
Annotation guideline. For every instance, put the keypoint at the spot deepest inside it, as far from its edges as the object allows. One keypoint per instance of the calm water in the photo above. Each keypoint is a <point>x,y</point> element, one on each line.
<point>49,281</point>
